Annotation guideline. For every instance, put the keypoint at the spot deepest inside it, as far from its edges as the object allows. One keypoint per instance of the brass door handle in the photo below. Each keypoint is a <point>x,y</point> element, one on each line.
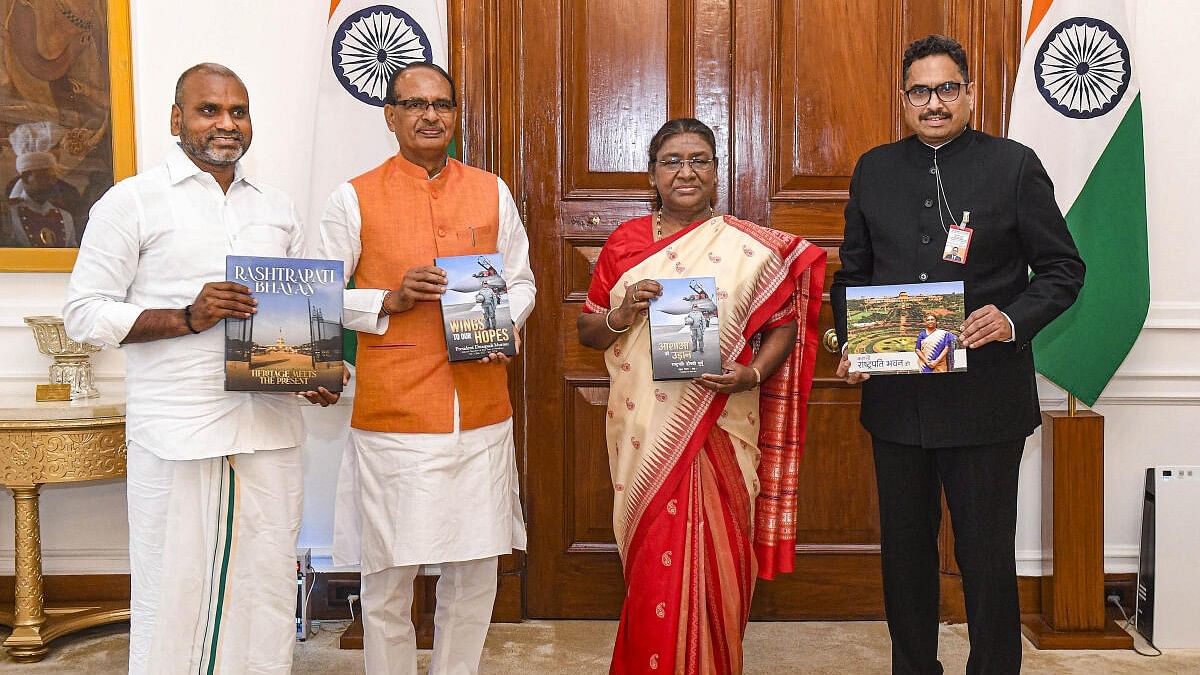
<point>830,341</point>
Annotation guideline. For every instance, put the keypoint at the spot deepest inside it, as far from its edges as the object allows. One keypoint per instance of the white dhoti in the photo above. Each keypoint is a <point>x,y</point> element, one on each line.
<point>213,562</point>
<point>405,500</point>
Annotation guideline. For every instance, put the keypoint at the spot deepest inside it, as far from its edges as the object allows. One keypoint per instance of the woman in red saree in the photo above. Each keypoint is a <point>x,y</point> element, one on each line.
<point>704,470</point>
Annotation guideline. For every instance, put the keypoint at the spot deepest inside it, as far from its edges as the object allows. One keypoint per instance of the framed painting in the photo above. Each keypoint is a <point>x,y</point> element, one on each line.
<point>66,124</point>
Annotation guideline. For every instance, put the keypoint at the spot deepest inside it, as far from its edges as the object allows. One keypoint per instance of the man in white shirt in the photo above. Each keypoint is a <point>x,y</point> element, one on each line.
<point>429,476</point>
<point>214,477</point>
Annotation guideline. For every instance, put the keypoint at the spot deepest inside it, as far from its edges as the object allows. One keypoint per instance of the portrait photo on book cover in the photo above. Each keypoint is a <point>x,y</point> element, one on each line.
<point>906,328</point>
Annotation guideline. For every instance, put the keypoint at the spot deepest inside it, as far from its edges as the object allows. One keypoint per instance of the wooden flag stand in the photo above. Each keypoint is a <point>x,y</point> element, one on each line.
<point>1073,612</point>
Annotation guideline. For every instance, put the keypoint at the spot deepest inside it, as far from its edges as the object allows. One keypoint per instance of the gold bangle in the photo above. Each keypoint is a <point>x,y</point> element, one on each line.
<point>609,325</point>
<point>757,376</point>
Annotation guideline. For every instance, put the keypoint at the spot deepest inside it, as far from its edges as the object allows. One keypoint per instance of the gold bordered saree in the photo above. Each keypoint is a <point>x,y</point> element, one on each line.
<point>692,469</point>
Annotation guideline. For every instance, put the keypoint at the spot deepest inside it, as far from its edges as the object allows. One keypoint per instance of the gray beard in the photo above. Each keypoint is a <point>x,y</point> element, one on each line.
<point>208,155</point>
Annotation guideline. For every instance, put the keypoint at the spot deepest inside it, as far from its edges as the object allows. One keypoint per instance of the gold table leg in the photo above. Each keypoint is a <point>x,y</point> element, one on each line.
<point>27,644</point>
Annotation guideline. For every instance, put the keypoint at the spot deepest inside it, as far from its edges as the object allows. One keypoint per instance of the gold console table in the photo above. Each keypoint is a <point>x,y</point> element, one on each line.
<point>59,442</point>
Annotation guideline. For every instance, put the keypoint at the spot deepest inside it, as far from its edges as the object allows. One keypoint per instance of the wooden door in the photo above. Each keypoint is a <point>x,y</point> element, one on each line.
<point>795,90</point>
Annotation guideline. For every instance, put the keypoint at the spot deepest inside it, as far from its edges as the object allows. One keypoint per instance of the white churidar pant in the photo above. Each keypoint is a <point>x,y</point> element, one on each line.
<point>466,592</point>
<point>212,554</point>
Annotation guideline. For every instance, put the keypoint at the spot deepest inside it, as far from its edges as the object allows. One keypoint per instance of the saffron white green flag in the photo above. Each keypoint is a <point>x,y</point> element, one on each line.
<point>1077,104</point>
<point>365,42</point>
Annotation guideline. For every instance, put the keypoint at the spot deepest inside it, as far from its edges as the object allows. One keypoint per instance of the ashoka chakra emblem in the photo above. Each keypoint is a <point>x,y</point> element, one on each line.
<point>1083,68</point>
<point>373,43</point>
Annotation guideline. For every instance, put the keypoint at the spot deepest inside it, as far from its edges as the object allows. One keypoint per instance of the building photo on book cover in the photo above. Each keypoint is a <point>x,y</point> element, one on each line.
<point>294,341</point>
<point>685,334</point>
<point>475,309</point>
<point>906,328</point>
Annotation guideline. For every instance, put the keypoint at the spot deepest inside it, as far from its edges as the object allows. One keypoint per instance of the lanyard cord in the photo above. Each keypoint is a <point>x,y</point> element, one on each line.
<point>942,200</point>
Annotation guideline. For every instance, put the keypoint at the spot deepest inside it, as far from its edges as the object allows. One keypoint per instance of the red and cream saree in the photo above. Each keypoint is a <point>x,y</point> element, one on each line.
<point>692,469</point>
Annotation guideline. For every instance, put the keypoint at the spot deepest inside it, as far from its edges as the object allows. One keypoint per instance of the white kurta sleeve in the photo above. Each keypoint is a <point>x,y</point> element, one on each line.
<point>341,239</point>
<point>514,247</point>
<point>298,247</point>
<point>96,311</point>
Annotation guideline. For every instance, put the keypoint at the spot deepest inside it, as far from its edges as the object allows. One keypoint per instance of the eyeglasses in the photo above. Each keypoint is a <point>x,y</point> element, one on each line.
<point>697,164</point>
<point>946,92</point>
<point>418,106</point>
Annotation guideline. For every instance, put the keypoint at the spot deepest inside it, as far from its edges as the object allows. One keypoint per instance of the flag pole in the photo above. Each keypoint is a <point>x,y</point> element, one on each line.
<point>1070,404</point>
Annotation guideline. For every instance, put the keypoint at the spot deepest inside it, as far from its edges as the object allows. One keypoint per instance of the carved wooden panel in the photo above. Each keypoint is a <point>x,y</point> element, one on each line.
<point>579,261</point>
<point>611,111</point>
<point>835,92</point>
<point>590,505</point>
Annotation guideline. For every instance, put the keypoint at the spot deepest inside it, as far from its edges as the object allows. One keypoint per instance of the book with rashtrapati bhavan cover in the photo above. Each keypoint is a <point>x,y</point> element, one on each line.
<point>685,333</point>
<point>906,328</point>
<point>475,309</point>
<point>294,341</point>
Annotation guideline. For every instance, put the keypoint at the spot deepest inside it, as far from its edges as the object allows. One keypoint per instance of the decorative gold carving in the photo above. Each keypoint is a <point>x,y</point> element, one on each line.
<point>33,452</point>
<point>62,451</point>
<point>28,592</point>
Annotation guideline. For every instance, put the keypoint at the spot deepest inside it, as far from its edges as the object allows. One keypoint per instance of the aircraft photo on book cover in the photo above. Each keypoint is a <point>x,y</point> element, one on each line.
<point>475,310</point>
<point>685,332</point>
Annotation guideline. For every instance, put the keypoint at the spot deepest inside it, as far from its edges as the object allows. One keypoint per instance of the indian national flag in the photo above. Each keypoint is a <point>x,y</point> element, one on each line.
<point>365,42</point>
<point>1077,104</point>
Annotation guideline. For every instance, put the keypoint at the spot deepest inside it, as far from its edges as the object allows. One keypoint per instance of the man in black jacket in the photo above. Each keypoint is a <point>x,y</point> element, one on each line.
<point>961,432</point>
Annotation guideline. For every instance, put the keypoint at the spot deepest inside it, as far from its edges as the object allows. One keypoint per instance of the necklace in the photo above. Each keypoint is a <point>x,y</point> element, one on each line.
<point>658,232</point>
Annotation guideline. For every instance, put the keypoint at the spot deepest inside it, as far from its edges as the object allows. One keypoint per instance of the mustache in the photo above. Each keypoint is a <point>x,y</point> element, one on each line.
<point>230,135</point>
<point>939,113</point>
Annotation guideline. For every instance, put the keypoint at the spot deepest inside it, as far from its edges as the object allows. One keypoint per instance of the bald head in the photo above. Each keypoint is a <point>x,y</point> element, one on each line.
<point>202,69</point>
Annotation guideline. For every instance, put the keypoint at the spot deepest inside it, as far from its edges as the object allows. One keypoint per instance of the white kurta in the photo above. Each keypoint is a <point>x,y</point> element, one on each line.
<point>408,499</point>
<point>214,477</point>
<point>153,241</point>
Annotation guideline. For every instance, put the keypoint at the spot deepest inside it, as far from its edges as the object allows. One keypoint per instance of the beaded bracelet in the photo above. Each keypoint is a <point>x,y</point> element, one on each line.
<point>187,319</point>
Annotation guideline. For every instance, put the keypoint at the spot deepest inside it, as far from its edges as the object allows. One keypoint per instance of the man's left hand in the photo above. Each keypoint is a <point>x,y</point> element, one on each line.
<point>502,357</point>
<point>984,325</point>
<point>322,396</point>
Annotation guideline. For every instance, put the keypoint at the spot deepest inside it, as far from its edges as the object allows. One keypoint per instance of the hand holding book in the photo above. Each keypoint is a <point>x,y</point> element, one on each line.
<point>637,300</point>
<point>219,300</point>
<point>425,283</point>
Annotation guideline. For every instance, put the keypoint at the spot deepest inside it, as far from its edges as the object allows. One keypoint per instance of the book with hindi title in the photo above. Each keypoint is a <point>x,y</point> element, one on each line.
<point>906,328</point>
<point>685,332</point>
<point>294,341</point>
<point>475,310</point>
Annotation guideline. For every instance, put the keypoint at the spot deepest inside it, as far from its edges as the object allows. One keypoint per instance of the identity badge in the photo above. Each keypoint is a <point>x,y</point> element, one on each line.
<point>958,241</point>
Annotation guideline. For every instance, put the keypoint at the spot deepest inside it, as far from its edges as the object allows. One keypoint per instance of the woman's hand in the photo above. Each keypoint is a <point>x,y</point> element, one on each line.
<point>637,300</point>
<point>736,378</point>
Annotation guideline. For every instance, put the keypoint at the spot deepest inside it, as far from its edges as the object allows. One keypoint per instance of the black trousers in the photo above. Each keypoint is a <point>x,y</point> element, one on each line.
<point>981,489</point>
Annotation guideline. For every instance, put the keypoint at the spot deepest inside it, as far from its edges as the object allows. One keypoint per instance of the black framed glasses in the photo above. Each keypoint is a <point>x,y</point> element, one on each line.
<point>418,106</point>
<point>698,164</point>
<point>946,92</point>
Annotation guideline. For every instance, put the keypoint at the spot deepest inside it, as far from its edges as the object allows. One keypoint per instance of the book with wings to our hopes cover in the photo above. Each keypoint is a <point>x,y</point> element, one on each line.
<point>685,333</point>
<point>906,328</point>
<point>294,341</point>
<point>475,309</point>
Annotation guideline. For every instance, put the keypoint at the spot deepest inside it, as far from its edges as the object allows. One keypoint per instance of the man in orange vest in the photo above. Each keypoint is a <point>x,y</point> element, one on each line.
<point>429,476</point>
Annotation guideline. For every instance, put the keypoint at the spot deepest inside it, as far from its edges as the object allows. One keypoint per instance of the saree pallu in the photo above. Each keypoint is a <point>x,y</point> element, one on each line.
<point>705,483</point>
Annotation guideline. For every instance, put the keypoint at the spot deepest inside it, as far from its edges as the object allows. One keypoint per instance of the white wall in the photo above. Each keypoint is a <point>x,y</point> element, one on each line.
<point>1150,407</point>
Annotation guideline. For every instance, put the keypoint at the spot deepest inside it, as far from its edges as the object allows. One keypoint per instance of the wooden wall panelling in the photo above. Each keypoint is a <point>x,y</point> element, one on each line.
<point>480,45</point>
